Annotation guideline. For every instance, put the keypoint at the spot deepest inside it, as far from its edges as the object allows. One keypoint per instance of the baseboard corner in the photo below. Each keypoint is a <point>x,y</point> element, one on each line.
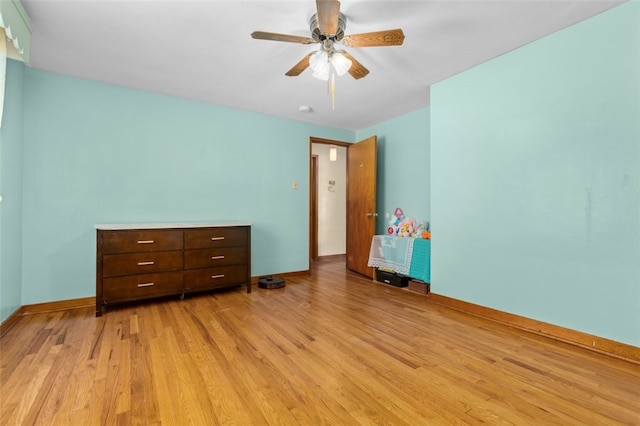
<point>59,305</point>
<point>11,320</point>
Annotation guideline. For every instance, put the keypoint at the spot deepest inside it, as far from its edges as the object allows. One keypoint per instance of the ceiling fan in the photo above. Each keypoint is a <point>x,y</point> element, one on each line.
<point>327,28</point>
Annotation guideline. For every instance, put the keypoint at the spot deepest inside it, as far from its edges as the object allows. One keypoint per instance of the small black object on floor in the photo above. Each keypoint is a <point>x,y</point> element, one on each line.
<point>270,282</point>
<point>392,278</point>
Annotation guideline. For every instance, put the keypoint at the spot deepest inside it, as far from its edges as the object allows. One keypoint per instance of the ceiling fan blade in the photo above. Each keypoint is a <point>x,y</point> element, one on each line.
<point>328,13</point>
<point>300,66</point>
<point>357,70</point>
<point>377,38</point>
<point>262,35</point>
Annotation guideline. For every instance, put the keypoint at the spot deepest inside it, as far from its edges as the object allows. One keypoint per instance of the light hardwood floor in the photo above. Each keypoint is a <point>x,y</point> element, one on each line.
<point>333,348</point>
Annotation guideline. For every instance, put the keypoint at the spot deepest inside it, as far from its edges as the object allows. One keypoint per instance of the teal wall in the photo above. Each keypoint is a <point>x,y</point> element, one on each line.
<point>403,166</point>
<point>535,171</point>
<point>11,137</point>
<point>97,153</point>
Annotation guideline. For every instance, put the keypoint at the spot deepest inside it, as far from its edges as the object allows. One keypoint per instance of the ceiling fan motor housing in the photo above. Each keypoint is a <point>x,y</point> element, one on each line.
<point>318,36</point>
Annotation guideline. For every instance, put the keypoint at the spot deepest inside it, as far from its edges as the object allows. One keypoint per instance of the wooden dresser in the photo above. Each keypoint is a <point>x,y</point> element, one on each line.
<point>135,262</point>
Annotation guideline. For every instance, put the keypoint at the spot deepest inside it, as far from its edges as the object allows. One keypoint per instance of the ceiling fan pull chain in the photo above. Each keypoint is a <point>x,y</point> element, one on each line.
<point>333,91</point>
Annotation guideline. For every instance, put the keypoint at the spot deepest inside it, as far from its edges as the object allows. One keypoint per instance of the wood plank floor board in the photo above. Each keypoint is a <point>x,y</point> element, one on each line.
<point>356,366</point>
<point>330,348</point>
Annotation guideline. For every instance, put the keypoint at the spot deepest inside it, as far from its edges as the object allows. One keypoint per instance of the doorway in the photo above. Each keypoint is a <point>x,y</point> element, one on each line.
<point>354,224</point>
<point>327,193</point>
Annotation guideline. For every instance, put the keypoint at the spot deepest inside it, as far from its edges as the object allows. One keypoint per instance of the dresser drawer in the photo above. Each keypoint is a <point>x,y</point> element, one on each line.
<point>144,286</point>
<point>135,241</point>
<point>210,258</point>
<point>224,276</point>
<point>114,265</point>
<point>216,237</point>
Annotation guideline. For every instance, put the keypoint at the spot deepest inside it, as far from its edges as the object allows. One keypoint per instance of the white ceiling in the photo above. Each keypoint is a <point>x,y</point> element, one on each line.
<point>202,50</point>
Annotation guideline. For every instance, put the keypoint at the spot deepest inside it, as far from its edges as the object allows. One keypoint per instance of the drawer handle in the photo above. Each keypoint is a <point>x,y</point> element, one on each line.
<point>145,263</point>
<point>145,284</point>
<point>217,257</point>
<point>145,241</point>
<point>217,238</point>
<point>213,277</point>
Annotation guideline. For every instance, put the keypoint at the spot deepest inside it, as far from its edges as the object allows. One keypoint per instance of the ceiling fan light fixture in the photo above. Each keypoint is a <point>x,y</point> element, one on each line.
<point>340,63</point>
<point>319,56</point>
<point>322,72</point>
<point>320,65</point>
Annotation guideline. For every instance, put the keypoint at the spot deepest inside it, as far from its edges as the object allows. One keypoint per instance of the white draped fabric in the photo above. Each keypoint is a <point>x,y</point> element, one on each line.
<point>391,253</point>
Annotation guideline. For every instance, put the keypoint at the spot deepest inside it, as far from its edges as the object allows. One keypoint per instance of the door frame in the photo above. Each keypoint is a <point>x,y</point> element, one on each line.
<point>313,194</point>
<point>313,210</point>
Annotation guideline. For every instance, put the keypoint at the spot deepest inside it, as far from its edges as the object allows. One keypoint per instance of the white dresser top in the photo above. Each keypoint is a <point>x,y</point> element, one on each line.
<point>119,226</point>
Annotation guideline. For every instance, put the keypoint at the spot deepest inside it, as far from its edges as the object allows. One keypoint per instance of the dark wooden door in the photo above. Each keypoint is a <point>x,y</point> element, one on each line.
<point>361,204</point>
